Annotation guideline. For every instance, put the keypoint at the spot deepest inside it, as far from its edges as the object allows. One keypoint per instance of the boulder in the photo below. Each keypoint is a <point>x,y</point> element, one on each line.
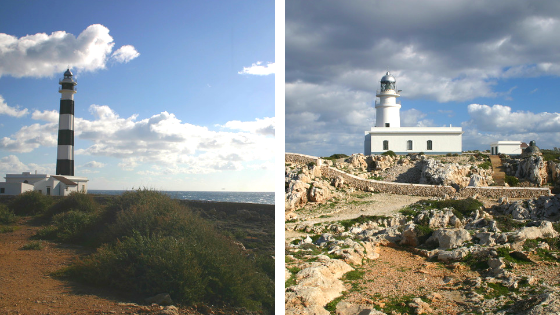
<point>449,238</point>
<point>419,306</point>
<point>316,286</point>
<point>533,169</point>
<point>543,230</point>
<point>410,235</point>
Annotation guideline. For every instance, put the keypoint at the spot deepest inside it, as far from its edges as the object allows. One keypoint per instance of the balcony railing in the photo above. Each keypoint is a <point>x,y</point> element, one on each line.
<point>377,102</point>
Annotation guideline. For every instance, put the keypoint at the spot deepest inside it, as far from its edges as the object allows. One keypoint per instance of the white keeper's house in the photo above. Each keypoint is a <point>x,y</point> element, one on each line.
<point>389,135</point>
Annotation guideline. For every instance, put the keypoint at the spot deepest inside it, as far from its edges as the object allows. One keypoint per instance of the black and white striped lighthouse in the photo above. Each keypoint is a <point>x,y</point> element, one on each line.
<point>65,156</point>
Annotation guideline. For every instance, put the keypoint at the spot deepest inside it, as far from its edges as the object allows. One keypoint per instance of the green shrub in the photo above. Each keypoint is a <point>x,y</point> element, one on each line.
<point>76,201</point>
<point>209,269</point>
<point>154,245</point>
<point>485,165</point>
<point>7,216</point>
<point>33,245</point>
<point>512,181</point>
<point>46,233</point>
<point>389,153</point>
<point>73,225</point>
<point>31,203</point>
<point>336,156</point>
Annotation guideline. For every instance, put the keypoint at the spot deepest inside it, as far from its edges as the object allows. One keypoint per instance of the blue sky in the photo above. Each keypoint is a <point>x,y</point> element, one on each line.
<point>491,67</point>
<point>174,95</point>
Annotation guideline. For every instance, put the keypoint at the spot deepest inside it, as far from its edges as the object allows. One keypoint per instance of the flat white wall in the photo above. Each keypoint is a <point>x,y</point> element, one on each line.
<point>14,188</point>
<point>509,147</point>
<point>441,142</point>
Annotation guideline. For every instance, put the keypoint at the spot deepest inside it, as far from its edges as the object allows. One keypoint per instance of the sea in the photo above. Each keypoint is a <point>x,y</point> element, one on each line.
<point>223,196</point>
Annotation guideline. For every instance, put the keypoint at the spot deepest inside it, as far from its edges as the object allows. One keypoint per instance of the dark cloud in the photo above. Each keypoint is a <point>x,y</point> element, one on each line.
<point>444,51</point>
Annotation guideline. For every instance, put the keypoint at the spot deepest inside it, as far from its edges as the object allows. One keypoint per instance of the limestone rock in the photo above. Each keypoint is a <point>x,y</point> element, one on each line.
<point>345,308</point>
<point>549,303</point>
<point>296,194</point>
<point>320,192</point>
<point>160,299</point>
<point>544,230</point>
<point>533,169</point>
<point>169,310</point>
<point>317,285</point>
<point>419,306</point>
<point>410,235</point>
<point>449,238</point>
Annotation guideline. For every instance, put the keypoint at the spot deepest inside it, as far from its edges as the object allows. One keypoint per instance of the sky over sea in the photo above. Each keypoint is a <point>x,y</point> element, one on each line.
<point>174,95</point>
<point>491,67</point>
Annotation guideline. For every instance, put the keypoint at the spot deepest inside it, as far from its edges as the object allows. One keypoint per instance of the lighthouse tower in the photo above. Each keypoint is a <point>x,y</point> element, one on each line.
<point>387,109</point>
<point>65,156</point>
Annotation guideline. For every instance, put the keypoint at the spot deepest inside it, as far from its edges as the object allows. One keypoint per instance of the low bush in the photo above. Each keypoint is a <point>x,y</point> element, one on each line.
<point>73,226</point>
<point>7,216</point>
<point>485,165</point>
<point>389,153</point>
<point>33,245</point>
<point>153,244</point>
<point>512,181</point>
<point>77,201</point>
<point>336,156</point>
<point>31,203</point>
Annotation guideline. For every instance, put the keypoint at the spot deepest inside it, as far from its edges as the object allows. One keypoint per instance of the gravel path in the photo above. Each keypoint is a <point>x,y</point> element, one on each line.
<point>27,287</point>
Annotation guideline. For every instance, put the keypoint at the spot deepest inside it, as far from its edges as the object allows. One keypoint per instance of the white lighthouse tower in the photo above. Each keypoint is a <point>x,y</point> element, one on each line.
<point>65,156</point>
<point>389,135</point>
<point>387,109</point>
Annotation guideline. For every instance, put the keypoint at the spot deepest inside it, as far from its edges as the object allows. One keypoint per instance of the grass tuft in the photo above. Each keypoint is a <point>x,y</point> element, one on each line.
<point>33,245</point>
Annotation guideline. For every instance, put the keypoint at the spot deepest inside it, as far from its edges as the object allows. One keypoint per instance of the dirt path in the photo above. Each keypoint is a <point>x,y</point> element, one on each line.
<point>357,204</point>
<point>27,287</point>
<point>499,175</point>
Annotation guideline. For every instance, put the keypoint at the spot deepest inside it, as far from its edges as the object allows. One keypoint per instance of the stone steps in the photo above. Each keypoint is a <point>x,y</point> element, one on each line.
<point>499,175</point>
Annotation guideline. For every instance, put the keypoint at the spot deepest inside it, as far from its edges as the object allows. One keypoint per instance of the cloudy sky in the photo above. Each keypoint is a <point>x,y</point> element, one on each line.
<point>491,67</point>
<point>174,97</point>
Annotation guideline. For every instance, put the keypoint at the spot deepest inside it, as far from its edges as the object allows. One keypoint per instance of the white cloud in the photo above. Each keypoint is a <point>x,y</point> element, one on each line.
<point>263,126</point>
<point>11,111</point>
<point>259,69</point>
<point>42,55</point>
<point>94,164</point>
<point>125,54</point>
<point>501,118</point>
<point>12,165</point>
<point>162,139</point>
<point>29,138</point>
<point>499,122</point>
<point>47,115</point>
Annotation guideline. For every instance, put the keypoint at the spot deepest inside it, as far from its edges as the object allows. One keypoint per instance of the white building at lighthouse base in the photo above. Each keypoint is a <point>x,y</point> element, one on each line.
<point>404,140</point>
<point>388,135</point>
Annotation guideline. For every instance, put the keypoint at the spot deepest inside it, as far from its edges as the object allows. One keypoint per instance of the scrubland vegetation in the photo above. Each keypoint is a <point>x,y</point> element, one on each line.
<point>147,243</point>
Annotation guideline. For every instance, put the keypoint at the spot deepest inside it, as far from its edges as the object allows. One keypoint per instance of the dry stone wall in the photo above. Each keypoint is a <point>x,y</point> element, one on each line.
<point>416,189</point>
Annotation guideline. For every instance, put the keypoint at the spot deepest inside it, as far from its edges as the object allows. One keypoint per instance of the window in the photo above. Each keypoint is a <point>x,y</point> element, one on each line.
<point>385,145</point>
<point>2,190</point>
<point>387,124</point>
<point>409,145</point>
<point>48,191</point>
<point>429,145</point>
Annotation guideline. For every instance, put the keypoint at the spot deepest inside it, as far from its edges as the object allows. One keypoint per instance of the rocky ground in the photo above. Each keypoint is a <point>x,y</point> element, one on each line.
<point>351,252</point>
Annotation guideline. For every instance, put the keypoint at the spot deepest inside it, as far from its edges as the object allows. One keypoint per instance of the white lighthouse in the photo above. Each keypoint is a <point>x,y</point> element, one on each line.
<point>387,109</point>
<point>65,156</point>
<point>389,135</point>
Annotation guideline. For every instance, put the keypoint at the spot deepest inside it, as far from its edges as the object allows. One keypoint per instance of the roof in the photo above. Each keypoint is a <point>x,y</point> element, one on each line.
<point>64,180</point>
<point>68,73</point>
<point>388,78</point>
